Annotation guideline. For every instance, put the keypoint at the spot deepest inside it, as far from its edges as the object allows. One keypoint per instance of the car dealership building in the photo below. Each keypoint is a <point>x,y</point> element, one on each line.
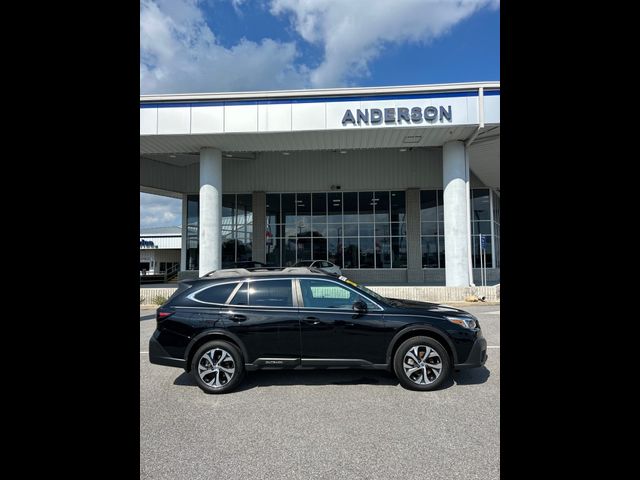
<point>397,185</point>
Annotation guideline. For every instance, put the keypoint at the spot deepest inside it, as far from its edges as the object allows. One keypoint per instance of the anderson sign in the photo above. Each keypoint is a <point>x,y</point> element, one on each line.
<point>376,116</point>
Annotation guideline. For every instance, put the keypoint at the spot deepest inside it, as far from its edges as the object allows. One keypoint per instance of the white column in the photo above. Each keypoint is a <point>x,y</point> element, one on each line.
<point>456,228</point>
<point>183,246</point>
<point>210,222</point>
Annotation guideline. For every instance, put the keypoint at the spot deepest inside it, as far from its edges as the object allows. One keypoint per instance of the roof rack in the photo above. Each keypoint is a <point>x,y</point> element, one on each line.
<point>235,272</point>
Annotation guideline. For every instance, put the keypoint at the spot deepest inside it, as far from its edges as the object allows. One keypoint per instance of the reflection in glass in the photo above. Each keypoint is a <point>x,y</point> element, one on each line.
<point>334,207</point>
<point>383,213</point>
<point>399,252</point>
<point>429,252</point>
<point>335,251</point>
<point>350,207</point>
<point>351,252</point>
<point>398,208</point>
<point>319,249</point>
<point>366,252</point>
<point>383,252</point>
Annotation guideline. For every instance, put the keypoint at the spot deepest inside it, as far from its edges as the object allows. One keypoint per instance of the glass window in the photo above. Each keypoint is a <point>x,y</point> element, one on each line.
<point>241,296</point>
<point>270,293</point>
<point>429,252</point>
<point>366,253</point>
<point>273,251</point>
<point>428,206</point>
<point>319,248</point>
<point>383,252</point>
<point>432,228</point>
<point>193,213</point>
<point>441,248</point>
<point>382,229</point>
<point>481,227</point>
<point>228,252</point>
<point>366,229</point>
<point>335,251</point>
<point>289,252</point>
<point>398,207</point>
<point>303,212</point>
<point>440,205</point>
<point>480,204</point>
<point>366,207</point>
<point>319,209</point>
<point>334,207</point>
<point>216,294</point>
<point>381,201</point>
<point>398,229</point>
<point>273,208</point>
<point>351,252</point>
<point>399,252</point>
<point>304,249</point>
<point>343,223</point>
<point>350,207</point>
<point>319,230</point>
<point>288,202</point>
<point>350,229</point>
<point>429,228</point>
<point>323,294</point>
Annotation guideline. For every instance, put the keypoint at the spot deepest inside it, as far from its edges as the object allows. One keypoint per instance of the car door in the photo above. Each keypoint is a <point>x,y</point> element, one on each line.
<point>264,317</point>
<point>332,333</point>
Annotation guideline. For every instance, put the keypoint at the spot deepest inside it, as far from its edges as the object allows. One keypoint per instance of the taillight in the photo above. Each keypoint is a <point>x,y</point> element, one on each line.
<point>160,316</point>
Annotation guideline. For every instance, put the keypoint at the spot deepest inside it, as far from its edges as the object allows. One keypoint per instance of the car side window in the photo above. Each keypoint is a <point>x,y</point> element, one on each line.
<point>323,294</point>
<point>216,294</point>
<point>270,293</point>
<point>325,264</point>
<point>241,297</point>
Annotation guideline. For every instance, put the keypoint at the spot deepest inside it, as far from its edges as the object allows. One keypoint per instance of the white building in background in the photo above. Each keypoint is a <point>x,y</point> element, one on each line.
<point>159,249</point>
<point>393,184</point>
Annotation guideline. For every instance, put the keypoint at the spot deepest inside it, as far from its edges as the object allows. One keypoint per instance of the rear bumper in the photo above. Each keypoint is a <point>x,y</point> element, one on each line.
<point>159,356</point>
<point>477,356</point>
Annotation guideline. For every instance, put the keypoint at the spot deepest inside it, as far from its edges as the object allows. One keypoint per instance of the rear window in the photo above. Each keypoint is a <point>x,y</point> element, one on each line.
<point>216,294</point>
<point>271,293</point>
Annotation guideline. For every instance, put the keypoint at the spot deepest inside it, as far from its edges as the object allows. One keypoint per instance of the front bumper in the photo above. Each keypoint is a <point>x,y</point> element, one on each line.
<point>478,355</point>
<point>159,355</point>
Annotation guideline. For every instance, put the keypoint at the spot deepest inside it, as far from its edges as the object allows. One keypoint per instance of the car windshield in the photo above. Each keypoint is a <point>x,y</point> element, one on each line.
<point>304,264</point>
<point>365,289</point>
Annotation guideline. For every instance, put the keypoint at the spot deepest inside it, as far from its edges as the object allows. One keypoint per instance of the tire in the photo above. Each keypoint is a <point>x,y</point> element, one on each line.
<point>414,379</point>
<point>223,377</point>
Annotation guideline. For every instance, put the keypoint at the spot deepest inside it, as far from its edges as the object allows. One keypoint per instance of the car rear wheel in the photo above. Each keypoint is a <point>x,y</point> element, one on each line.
<point>421,363</point>
<point>217,367</point>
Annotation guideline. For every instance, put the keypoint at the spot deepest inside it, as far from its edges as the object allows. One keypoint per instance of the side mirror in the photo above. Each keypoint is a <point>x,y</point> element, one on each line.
<point>359,306</point>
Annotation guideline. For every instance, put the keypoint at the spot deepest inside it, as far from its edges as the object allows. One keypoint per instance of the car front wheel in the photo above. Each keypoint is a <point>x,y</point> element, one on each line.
<point>421,363</point>
<point>217,367</point>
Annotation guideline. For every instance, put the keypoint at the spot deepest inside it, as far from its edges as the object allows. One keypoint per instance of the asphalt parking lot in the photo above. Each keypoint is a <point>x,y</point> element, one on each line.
<point>336,424</point>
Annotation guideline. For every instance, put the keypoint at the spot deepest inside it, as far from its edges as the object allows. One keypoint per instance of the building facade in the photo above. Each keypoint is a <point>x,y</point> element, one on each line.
<point>397,185</point>
<point>159,249</point>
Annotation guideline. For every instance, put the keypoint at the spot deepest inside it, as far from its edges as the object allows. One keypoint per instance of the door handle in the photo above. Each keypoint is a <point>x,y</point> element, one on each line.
<point>312,321</point>
<point>238,318</point>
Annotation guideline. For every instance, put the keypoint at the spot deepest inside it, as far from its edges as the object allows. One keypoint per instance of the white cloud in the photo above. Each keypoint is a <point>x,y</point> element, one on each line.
<point>159,211</point>
<point>180,53</point>
<point>354,32</point>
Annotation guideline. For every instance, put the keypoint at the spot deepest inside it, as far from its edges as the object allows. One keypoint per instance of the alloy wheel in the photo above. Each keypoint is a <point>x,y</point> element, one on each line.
<point>422,364</point>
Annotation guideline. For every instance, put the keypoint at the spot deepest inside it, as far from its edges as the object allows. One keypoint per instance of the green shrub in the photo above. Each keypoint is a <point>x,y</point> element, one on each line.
<point>160,299</point>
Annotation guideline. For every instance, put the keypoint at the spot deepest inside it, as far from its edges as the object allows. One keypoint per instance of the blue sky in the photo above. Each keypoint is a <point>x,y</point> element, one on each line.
<point>234,45</point>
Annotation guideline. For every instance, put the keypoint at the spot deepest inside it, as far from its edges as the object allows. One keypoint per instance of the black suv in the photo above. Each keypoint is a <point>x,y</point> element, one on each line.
<point>219,326</point>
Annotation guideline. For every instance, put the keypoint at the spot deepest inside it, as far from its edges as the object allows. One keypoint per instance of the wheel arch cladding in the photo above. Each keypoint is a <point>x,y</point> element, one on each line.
<point>420,332</point>
<point>209,337</point>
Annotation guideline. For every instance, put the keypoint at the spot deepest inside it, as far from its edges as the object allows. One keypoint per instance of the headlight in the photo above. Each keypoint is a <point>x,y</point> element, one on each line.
<point>465,322</point>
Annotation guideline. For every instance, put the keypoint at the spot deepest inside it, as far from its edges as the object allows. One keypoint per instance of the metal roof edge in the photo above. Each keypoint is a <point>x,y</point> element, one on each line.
<point>319,92</point>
